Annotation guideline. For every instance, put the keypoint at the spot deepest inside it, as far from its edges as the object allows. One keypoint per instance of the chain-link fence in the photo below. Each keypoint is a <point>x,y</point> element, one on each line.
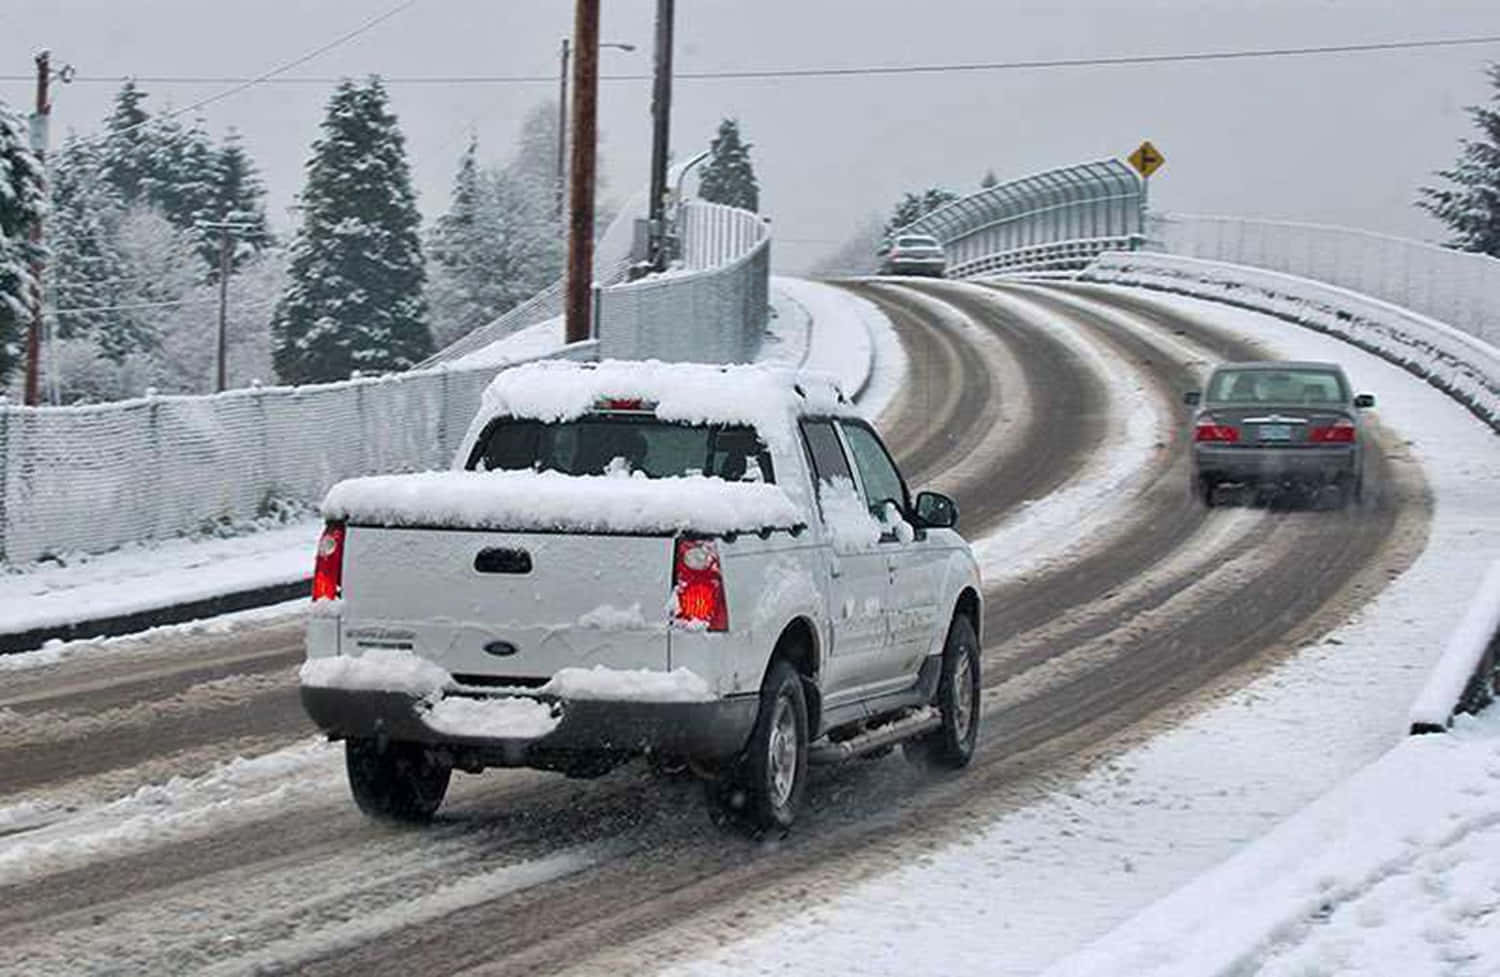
<point>1455,287</point>
<point>1052,221</point>
<point>713,315</point>
<point>89,479</point>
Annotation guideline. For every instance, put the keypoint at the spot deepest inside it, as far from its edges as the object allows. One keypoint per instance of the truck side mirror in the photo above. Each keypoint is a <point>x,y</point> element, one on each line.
<point>1192,397</point>
<point>1364,400</point>
<point>936,511</point>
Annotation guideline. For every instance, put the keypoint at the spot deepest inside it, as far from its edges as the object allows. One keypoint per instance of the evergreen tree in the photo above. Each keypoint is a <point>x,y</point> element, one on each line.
<point>239,196</point>
<point>129,145</point>
<point>988,180</point>
<point>914,205</point>
<point>354,299</point>
<point>181,178</point>
<point>22,202</point>
<point>495,247</point>
<point>728,178</point>
<point>87,277</point>
<point>1471,206</point>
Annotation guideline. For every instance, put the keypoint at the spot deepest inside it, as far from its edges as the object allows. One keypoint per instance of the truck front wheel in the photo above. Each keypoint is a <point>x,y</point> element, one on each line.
<point>951,745</point>
<point>395,781</point>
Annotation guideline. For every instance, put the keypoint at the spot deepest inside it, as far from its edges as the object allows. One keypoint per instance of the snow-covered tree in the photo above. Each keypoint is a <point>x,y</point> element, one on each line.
<point>497,245</point>
<point>856,256</point>
<point>182,178</point>
<point>354,300</point>
<point>915,205</point>
<point>87,278</point>
<point>239,196</point>
<point>22,202</point>
<point>1470,207</point>
<point>189,331</point>
<point>728,177</point>
<point>988,180</point>
<point>129,145</point>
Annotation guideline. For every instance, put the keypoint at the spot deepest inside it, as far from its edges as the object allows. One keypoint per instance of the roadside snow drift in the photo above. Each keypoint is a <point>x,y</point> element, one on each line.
<point>552,501</point>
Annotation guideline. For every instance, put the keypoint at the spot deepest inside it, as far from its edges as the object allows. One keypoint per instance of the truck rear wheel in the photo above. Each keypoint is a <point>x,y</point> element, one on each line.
<point>395,781</point>
<point>764,789</point>
<point>951,745</point>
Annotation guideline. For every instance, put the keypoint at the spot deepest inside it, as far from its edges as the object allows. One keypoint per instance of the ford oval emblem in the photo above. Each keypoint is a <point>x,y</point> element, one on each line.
<point>501,649</point>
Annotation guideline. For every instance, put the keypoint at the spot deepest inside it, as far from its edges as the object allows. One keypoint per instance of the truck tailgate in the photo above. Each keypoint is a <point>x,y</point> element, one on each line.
<point>498,605</point>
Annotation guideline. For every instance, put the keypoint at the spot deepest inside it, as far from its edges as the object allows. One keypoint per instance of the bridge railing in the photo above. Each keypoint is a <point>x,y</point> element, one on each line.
<point>1455,287</point>
<point>1051,221</point>
<point>713,309</point>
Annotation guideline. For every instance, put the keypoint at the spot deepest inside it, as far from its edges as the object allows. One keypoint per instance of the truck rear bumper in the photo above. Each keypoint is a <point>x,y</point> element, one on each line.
<point>709,731</point>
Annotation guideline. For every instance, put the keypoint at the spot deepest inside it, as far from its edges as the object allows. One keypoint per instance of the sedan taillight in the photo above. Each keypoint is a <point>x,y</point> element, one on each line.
<point>1209,430</point>
<point>1341,431</point>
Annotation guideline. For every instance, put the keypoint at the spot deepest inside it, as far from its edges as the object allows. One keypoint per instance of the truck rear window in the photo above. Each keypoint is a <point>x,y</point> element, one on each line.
<point>596,444</point>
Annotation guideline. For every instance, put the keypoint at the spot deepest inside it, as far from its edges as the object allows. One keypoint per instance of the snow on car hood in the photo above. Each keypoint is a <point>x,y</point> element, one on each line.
<point>551,501</point>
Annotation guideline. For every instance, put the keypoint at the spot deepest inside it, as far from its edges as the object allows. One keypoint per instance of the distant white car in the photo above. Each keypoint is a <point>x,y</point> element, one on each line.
<point>719,567</point>
<point>913,254</point>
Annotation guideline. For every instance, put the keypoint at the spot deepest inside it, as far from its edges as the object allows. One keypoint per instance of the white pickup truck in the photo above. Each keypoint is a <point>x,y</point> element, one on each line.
<point>717,567</point>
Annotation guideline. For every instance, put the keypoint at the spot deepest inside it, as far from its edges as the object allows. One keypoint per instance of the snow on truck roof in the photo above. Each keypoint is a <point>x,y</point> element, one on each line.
<point>764,397</point>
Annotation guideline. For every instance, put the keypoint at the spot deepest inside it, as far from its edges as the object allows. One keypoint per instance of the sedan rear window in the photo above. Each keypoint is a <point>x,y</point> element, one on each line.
<point>597,444</point>
<point>1277,387</point>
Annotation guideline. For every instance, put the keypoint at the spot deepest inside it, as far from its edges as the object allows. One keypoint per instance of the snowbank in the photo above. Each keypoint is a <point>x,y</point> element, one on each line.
<point>551,501</point>
<point>1463,655</point>
<point>1391,872</point>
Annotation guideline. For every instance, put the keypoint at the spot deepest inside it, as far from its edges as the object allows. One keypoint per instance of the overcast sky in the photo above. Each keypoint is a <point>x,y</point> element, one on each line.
<point>1340,139</point>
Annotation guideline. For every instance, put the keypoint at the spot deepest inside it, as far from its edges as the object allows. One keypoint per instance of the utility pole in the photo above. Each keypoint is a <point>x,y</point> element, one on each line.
<point>39,147</point>
<point>227,232</point>
<point>661,120</point>
<point>581,198</point>
<point>562,130</point>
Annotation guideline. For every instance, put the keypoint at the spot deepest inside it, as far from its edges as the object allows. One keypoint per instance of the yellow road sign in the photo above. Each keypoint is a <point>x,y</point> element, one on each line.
<point>1147,159</point>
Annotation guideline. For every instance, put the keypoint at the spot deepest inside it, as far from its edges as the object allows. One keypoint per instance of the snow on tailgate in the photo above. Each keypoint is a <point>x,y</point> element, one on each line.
<point>551,501</point>
<point>764,397</point>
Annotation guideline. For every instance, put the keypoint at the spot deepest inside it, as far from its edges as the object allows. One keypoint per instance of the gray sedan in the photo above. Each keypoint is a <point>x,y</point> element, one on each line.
<point>1273,425</point>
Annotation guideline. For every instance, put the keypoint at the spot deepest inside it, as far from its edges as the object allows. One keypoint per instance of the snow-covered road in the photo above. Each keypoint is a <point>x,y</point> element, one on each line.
<point>182,771</point>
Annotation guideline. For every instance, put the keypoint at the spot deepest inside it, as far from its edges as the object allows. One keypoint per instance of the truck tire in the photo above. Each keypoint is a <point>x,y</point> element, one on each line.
<point>395,781</point>
<point>951,745</point>
<point>763,790</point>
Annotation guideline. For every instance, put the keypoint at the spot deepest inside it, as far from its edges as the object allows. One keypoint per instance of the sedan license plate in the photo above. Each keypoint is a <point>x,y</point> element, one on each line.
<point>1275,432</point>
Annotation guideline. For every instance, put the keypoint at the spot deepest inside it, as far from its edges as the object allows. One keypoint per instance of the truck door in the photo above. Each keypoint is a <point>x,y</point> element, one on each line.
<point>859,578</point>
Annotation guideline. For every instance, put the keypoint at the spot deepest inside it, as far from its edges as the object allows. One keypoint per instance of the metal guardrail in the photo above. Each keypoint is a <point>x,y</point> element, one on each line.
<point>1455,287</point>
<point>1050,221</point>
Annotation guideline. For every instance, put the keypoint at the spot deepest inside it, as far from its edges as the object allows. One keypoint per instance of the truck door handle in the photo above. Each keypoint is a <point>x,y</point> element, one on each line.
<point>500,559</point>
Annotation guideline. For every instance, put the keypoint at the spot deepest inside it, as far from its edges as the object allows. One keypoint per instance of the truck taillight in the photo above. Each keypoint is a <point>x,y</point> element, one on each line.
<point>1340,431</point>
<point>1208,429</point>
<point>698,585</point>
<point>328,568</point>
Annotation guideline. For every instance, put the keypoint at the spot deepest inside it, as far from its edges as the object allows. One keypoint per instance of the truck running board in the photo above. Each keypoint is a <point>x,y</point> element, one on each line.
<point>923,720</point>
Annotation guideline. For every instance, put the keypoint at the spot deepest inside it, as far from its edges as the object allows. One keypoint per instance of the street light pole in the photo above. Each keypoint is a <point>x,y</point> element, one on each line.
<point>562,128</point>
<point>661,120</point>
<point>562,116</point>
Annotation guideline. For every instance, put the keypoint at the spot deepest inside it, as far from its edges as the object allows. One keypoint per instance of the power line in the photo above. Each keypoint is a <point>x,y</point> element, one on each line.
<point>772,73</point>
<point>240,84</point>
<point>135,306</point>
